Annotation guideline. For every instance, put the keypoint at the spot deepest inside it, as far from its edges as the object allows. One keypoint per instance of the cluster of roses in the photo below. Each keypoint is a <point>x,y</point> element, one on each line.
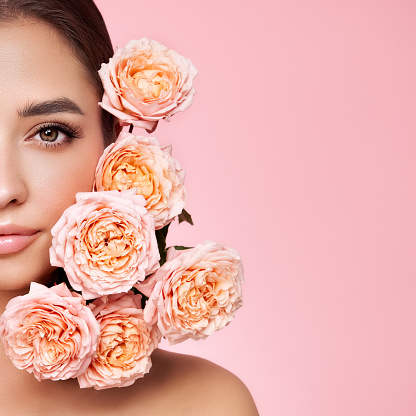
<point>123,289</point>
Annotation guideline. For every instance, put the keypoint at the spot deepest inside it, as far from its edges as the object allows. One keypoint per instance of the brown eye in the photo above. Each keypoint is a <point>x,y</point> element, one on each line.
<point>49,134</point>
<point>55,134</point>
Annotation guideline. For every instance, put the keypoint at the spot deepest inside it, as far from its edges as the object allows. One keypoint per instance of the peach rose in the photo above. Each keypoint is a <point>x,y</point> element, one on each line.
<point>125,344</point>
<point>195,293</point>
<point>49,332</point>
<point>139,162</point>
<point>145,82</point>
<point>106,242</point>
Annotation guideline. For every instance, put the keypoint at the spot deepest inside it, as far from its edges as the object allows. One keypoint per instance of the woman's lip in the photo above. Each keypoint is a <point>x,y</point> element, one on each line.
<point>13,243</point>
<point>15,229</point>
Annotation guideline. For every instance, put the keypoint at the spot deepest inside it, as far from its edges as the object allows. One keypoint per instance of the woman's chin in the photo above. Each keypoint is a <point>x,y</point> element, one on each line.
<point>18,270</point>
<point>17,275</point>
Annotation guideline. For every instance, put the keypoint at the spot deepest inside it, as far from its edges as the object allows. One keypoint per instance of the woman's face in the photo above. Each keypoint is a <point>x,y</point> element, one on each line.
<point>50,142</point>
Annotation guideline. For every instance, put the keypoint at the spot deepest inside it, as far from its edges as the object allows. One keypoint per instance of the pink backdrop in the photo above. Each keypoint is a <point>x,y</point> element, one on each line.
<point>300,152</point>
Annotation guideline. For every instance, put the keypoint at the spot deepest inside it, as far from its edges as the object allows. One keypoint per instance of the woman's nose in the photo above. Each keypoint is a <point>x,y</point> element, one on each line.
<point>13,189</point>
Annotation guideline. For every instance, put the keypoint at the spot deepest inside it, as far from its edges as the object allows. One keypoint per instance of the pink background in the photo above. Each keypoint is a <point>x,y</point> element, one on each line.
<point>300,152</point>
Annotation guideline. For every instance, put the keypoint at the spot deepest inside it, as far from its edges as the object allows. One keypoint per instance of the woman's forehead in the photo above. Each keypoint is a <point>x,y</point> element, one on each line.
<point>36,63</point>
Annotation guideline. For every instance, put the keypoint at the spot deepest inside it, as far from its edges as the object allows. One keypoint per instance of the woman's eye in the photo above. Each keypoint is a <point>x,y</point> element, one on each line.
<point>55,134</point>
<point>50,134</point>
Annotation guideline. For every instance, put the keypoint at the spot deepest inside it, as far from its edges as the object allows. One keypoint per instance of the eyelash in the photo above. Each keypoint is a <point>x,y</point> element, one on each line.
<point>71,133</point>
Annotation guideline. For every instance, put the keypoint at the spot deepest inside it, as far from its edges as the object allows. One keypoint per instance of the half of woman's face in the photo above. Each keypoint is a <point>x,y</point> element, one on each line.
<point>50,142</point>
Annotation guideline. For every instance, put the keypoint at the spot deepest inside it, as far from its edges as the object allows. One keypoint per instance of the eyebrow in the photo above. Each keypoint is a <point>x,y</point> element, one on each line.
<point>59,105</point>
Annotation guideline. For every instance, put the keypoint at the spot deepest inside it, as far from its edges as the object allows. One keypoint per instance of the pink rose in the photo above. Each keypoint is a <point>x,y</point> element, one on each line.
<point>49,332</point>
<point>142,163</point>
<point>125,344</point>
<point>106,242</point>
<point>146,82</point>
<point>195,293</point>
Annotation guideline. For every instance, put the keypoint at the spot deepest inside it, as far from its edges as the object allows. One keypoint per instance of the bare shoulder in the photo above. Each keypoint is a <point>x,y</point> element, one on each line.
<point>195,386</point>
<point>177,384</point>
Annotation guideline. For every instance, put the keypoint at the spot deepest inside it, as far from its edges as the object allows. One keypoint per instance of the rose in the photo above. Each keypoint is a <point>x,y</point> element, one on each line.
<point>125,344</point>
<point>195,293</point>
<point>142,163</point>
<point>106,242</point>
<point>49,332</point>
<point>145,82</point>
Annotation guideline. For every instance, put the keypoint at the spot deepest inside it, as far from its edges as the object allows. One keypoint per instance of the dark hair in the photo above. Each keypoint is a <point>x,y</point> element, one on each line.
<point>80,23</point>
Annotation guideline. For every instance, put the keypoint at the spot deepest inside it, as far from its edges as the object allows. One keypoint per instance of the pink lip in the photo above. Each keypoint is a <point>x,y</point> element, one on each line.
<point>14,238</point>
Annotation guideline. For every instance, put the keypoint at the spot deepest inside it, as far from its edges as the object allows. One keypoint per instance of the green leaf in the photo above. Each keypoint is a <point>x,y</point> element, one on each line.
<point>135,291</point>
<point>185,216</point>
<point>161,242</point>
<point>182,247</point>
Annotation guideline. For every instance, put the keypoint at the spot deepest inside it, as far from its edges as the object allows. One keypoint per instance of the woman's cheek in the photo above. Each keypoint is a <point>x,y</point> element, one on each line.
<point>56,175</point>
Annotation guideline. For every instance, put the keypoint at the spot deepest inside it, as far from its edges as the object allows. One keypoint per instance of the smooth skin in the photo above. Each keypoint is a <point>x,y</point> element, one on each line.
<point>50,142</point>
